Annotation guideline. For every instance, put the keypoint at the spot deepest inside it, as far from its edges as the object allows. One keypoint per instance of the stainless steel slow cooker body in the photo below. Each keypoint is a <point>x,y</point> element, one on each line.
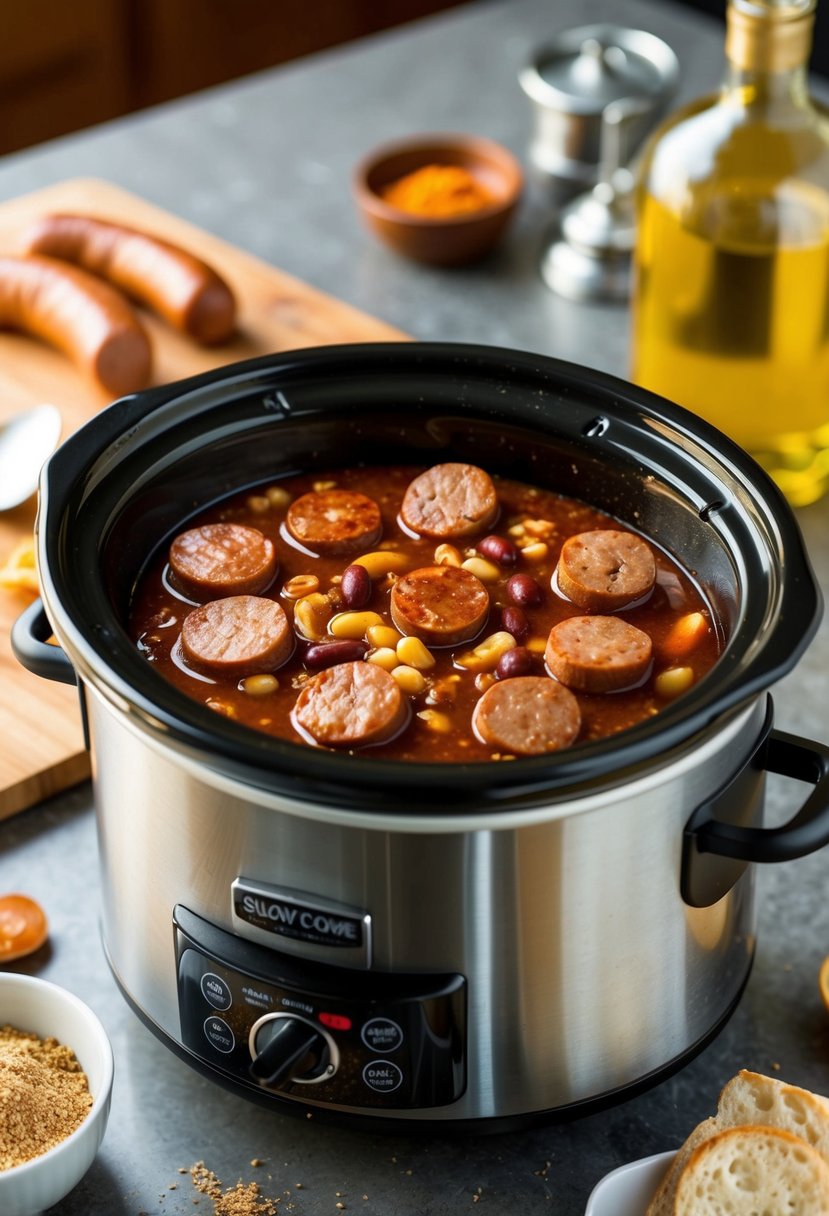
<point>434,943</point>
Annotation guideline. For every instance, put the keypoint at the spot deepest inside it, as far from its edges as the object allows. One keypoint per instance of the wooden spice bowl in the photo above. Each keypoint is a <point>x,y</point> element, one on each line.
<point>41,1008</point>
<point>440,241</point>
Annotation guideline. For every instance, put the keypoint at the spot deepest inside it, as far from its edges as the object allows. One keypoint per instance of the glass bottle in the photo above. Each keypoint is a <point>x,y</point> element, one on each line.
<point>731,267</point>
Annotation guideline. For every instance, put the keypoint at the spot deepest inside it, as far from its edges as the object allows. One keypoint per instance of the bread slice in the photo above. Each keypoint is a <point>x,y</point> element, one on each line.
<point>750,1098</point>
<point>753,1171</point>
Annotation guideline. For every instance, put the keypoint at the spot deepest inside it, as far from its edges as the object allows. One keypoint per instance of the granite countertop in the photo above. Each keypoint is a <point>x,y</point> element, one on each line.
<point>264,163</point>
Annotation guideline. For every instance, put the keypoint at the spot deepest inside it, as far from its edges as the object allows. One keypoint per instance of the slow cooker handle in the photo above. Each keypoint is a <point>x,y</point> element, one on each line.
<point>30,635</point>
<point>788,756</point>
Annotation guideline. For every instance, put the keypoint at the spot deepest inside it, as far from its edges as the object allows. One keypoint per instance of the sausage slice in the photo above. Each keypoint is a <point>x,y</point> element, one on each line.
<point>597,653</point>
<point>528,715</point>
<point>242,635</point>
<point>331,522</point>
<point>351,705</point>
<point>605,570</point>
<point>216,560</point>
<point>441,605</point>
<point>449,500</point>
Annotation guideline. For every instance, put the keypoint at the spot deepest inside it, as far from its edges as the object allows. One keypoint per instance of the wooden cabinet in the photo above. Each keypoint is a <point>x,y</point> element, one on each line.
<point>62,66</point>
<point>67,64</point>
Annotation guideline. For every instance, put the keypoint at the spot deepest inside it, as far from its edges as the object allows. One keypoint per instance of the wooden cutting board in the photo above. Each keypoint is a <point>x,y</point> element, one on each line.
<point>41,746</point>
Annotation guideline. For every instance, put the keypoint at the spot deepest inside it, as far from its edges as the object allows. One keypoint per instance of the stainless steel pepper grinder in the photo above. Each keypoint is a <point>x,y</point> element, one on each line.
<point>597,91</point>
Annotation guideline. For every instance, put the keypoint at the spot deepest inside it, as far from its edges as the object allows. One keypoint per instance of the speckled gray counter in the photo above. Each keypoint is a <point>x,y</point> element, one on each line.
<point>265,164</point>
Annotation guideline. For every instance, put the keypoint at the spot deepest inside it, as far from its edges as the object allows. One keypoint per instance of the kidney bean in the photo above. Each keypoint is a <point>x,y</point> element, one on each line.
<point>498,549</point>
<point>516,662</point>
<point>514,621</point>
<point>355,587</point>
<point>524,591</point>
<point>328,654</point>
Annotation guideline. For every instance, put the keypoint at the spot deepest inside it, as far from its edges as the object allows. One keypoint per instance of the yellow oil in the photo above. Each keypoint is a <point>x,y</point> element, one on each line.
<point>731,316</point>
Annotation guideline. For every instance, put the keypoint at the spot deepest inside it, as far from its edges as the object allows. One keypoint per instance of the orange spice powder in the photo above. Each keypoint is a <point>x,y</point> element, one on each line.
<point>438,192</point>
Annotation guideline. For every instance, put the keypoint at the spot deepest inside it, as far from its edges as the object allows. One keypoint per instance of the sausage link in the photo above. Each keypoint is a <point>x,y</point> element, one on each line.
<point>605,570</point>
<point>183,289</point>
<point>527,716</point>
<point>86,319</point>
<point>441,605</point>
<point>351,705</point>
<point>597,653</point>
<point>218,560</point>
<point>449,500</point>
<point>332,522</point>
<point>239,636</point>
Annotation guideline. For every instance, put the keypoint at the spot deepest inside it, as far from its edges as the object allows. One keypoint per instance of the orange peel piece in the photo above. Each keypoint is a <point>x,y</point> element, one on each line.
<point>23,927</point>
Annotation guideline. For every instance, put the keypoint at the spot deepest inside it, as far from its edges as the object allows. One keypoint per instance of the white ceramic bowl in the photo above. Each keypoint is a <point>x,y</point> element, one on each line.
<point>628,1190</point>
<point>45,1009</point>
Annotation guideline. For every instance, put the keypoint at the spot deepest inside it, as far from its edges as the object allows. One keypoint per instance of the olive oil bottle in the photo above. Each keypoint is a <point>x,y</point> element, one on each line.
<point>731,267</point>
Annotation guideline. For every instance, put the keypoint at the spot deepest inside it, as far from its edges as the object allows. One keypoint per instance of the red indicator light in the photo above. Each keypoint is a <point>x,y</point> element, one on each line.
<point>335,1021</point>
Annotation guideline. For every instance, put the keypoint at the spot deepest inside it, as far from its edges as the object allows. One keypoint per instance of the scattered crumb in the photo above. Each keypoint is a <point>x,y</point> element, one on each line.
<point>243,1199</point>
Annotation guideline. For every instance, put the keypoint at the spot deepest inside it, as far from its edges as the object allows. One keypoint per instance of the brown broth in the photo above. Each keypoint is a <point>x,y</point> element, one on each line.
<point>157,613</point>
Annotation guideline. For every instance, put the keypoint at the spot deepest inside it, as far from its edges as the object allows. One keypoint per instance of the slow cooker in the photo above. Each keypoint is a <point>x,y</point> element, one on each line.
<point>423,945</point>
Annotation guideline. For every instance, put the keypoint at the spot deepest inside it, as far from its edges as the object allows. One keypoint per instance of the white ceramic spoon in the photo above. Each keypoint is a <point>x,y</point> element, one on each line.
<point>26,440</point>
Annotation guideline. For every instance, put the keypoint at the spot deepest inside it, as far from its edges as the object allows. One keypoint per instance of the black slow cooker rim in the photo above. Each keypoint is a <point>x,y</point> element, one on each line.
<point>103,655</point>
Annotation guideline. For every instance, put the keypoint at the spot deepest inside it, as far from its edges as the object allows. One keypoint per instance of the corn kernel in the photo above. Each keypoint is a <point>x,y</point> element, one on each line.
<point>382,635</point>
<point>260,685</point>
<point>673,682</point>
<point>447,555</point>
<point>536,552</point>
<point>277,496</point>
<point>385,657</point>
<point>413,653</point>
<point>440,723</point>
<point>409,679</point>
<point>221,707</point>
<point>382,561</point>
<point>486,571</point>
<point>485,656</point>
<point>536,645</point>
<point>258,503</point>
<point>517,530</point>
<point>311,616</point>
<point>353,624</point>
<point>484,680</point>
<point>320,486</point>
<point>300,585</point>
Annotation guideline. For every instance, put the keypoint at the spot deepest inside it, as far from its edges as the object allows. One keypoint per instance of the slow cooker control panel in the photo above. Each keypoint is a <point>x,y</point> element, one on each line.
<point>314,1032</point>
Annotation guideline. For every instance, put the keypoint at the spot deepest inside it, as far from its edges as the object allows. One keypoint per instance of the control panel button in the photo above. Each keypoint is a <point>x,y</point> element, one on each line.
<point>215,991</point>
<point>382,1034</point>
<point>382,1076</point>
<point>219,1034</point>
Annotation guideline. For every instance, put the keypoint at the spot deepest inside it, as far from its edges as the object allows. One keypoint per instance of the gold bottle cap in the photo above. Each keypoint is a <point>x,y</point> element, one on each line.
<point>769,35</point>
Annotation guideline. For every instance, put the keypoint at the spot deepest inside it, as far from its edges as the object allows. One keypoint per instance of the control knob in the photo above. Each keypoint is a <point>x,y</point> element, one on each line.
<point>287,1047</point>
